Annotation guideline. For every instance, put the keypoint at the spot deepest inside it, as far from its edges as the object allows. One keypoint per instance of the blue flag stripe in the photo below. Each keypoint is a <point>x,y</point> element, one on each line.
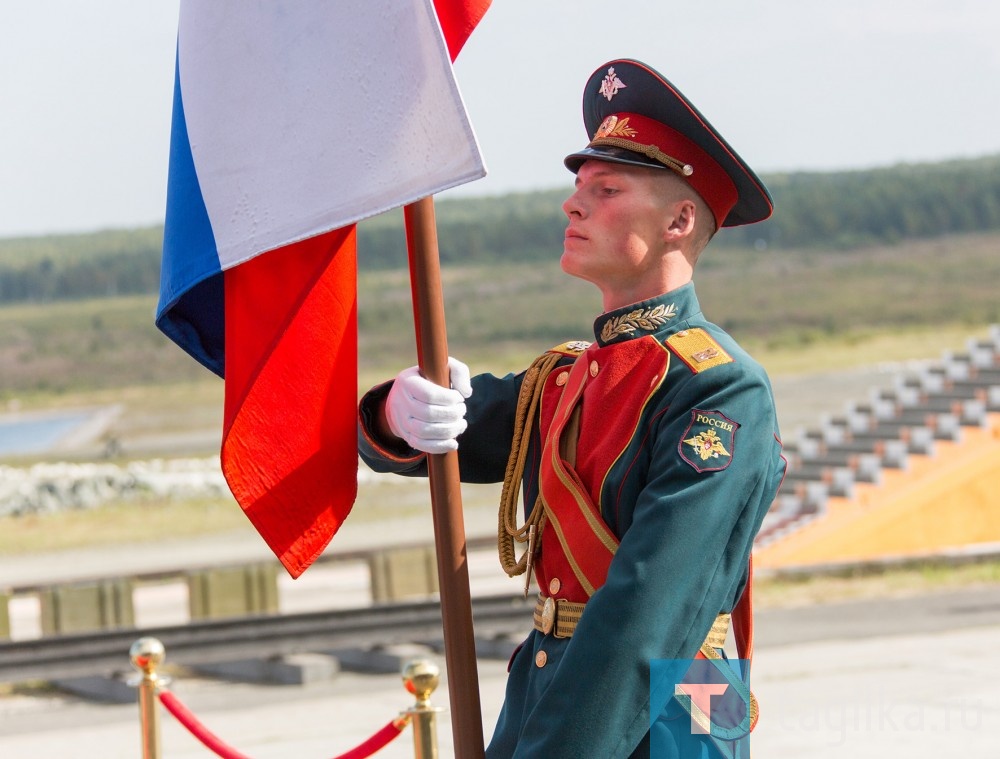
<point>191,308</point>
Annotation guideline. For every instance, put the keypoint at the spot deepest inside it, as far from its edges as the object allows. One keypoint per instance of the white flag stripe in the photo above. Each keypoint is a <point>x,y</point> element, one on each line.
<point>308,121</point>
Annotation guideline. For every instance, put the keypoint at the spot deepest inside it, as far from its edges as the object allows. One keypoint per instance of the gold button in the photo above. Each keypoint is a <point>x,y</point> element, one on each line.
<point>540,658</point>
<point>594,368</point>
<point>554,585</point>
<point>561,378</point>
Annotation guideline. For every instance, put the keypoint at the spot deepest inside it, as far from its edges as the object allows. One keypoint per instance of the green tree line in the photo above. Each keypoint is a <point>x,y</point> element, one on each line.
<point>848,210</point>
<point>76,266</point>
<point>826,211</point>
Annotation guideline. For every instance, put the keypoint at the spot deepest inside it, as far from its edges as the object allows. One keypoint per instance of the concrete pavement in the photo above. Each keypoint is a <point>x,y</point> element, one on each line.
<point>912,677</point>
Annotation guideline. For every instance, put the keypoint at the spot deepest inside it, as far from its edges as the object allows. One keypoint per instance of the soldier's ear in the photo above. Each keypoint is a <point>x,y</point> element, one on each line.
<point>681,221</point>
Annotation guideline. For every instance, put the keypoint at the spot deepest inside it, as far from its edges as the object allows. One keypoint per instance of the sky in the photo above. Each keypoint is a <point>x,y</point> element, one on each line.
<point>793,85</point>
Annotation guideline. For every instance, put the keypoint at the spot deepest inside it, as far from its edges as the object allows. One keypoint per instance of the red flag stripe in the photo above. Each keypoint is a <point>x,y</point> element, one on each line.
<point>458,18</point>
<point>289,450</point>
<point>289,444</point>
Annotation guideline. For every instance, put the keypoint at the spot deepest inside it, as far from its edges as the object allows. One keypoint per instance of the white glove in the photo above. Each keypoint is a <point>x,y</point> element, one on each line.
<point>427,416</point>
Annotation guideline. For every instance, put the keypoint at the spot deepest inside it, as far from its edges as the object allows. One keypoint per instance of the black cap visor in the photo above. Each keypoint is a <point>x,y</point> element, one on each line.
<point>611,154</point>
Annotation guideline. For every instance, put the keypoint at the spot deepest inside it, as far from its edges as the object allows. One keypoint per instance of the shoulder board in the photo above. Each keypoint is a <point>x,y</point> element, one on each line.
<point>572,348</point>
<point>696,348</point>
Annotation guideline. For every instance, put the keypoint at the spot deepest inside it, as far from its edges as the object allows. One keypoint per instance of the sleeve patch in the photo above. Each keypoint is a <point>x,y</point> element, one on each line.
<point>709,442</point>
<point>696,348</point>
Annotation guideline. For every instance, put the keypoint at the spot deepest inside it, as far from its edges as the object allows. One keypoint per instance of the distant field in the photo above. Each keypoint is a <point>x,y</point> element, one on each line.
<point>504,314</point>
<point>797,313</point>
<point>800,314</point>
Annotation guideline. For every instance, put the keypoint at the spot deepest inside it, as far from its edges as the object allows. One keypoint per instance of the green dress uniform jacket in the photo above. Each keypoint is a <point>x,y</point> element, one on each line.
<point>679,449</point>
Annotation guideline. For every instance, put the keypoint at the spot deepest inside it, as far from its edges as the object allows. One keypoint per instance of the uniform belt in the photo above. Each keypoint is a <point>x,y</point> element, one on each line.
<point>559,618</point>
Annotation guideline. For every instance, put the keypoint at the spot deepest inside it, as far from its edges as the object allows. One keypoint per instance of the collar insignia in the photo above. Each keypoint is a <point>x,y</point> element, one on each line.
<point>611,84</point>
<point>648,320</point>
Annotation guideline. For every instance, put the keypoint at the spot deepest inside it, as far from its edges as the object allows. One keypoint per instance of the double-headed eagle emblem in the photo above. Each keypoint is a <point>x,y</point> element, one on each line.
<point>707,445</point>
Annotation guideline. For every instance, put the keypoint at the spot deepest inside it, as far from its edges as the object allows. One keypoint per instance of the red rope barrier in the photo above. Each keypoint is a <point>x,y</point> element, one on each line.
<point>194,726</point>
<point>378,741</point>
<point>173,705</point>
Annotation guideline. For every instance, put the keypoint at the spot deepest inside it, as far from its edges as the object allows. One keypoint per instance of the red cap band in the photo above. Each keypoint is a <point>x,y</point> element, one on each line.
<point>656,140</point>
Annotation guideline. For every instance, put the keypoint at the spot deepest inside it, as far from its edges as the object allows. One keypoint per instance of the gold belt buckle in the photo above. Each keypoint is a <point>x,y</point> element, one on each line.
<point>548,615</point>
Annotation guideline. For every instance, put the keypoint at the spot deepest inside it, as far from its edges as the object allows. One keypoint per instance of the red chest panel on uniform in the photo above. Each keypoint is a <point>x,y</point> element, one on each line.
<point>620,380</point>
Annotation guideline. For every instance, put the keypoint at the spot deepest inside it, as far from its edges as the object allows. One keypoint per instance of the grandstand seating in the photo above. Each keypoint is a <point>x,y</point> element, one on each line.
<point>874,444</point>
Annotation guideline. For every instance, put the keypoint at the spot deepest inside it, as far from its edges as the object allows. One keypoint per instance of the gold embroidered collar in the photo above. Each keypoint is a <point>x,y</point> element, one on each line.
<point>639,319</point>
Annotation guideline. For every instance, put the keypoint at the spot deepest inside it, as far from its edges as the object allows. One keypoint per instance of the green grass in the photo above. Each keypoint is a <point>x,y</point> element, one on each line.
<point>151,519</point>
<point>791,309</point>
<point>866,584</point>
<point>865,348</point>
<point>797,313</point>
<point>789,300</point>
<point>123,522</point>
<point>52,349</point>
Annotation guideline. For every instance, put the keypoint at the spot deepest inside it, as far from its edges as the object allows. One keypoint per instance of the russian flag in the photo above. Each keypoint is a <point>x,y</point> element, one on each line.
<point>293,121</point>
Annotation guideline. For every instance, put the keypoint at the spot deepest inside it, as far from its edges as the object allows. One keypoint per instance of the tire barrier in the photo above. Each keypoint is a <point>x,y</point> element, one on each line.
<point>420,678</point>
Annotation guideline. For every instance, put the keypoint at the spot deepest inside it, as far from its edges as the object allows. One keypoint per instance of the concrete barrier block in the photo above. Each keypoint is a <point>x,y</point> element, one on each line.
<point>291,669</point>
<point>233,591</point>
<point>973,413</point>
<point>995,335</point>
<point>383,660</point>
<point>947,427</point>
<point>86,607</point>
<point>868,468</point>
<point>4,615</point>
<point>114,689</point>
<point>894,454</point>
<point>401,573</point>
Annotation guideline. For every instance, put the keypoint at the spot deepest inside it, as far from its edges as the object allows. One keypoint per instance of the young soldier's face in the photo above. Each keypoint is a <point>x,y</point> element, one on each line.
<point>617,218</point>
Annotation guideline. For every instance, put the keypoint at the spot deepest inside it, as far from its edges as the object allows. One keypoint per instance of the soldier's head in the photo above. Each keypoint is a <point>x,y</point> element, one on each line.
<point>636,118</point>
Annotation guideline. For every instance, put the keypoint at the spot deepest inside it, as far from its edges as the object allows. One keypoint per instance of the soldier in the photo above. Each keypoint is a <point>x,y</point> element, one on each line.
<point>647,459</point>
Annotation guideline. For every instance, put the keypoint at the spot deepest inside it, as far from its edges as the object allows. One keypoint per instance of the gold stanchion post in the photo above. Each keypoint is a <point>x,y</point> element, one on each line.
<point>421,678</point>
<point>147,654</point>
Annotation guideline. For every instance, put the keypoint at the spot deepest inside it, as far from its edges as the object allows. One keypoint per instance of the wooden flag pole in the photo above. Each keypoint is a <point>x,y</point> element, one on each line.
<point>446,497</point>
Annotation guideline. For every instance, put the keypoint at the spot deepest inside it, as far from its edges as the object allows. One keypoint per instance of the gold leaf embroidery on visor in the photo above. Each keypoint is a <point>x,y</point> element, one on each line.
<point>613,126</point>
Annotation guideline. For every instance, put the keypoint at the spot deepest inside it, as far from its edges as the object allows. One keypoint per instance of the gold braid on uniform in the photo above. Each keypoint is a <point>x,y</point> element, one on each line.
<point>527,407</point>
